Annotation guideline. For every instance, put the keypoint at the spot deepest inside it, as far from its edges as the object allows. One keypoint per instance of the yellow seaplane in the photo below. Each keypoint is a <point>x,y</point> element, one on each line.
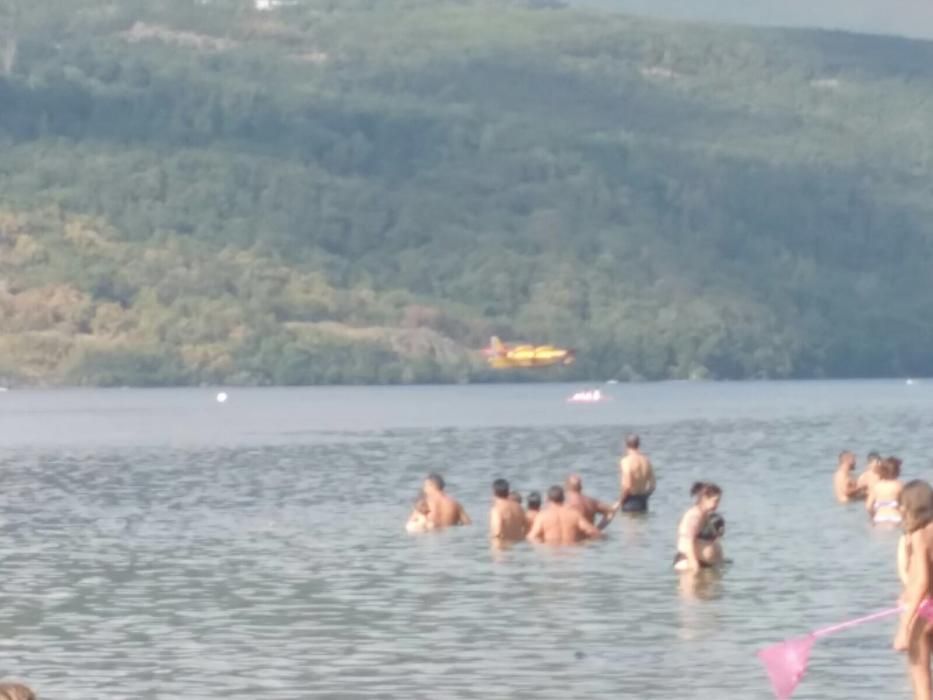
<point>502,356</point>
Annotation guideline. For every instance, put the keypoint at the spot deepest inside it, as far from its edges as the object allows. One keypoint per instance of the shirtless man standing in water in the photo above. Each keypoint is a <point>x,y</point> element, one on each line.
<point>638,481</point>
<point>588,507</point>
<point>443,511</point>
<point>506,518</point>
<point>559,524</point>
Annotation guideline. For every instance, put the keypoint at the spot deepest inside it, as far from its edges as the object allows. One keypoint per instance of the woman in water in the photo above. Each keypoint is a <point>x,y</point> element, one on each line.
<point>694,549</point>
<point>913,632</point>
<point>882,498</point>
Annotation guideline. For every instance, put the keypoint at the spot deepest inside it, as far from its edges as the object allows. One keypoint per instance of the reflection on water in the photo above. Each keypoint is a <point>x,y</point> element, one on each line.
<point>277,566</point>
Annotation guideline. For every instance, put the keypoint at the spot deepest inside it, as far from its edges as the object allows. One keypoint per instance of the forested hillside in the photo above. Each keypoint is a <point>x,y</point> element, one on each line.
<point>366,190</point>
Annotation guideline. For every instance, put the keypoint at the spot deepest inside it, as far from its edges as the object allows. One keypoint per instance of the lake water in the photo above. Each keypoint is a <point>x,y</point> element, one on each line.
<point>159,544</point>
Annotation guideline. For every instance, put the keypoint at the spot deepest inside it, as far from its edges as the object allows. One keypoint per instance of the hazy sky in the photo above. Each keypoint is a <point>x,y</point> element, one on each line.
<point>902,17</point>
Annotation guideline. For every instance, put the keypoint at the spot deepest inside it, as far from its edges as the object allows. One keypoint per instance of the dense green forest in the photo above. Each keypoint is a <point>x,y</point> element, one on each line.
<point>366,190</point>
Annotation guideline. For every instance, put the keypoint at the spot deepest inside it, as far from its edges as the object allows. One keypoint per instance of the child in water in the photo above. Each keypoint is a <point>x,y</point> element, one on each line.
<point>418,521</point>
<point>697,539</point>
<point>913,632</point>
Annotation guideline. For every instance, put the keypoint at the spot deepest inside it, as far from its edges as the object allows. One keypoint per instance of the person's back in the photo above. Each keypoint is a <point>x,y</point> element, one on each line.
<point>443,511</point>
<point>560,525</point>
<point>637,477</point>
<point>534,509</point>
<point>885,494</point>
<point>506,517</point>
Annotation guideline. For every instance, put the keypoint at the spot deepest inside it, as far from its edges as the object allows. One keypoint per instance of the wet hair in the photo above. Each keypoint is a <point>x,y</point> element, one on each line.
<point>890,468</point>
<point>500,487</point>
<point>714,528</point>
<point>916,502</point>
<point>705,489</point>
<point>516,496</point>
<point>632,441</point>
<point>555,494</point>
<point>16,691</point>
<point>437,480</point>
<point>874,457</point>
<point>534,501</point>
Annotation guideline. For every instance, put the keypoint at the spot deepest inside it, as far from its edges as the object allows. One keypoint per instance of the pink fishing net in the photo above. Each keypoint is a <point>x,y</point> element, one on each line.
<point>785,663</point>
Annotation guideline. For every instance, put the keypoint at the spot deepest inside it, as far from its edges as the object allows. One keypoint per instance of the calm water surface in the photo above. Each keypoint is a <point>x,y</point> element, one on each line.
<point>159,544</point>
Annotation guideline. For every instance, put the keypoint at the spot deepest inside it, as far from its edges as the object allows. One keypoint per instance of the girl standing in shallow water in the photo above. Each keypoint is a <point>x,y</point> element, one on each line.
<point>693,549</point>
<point>913,632</point>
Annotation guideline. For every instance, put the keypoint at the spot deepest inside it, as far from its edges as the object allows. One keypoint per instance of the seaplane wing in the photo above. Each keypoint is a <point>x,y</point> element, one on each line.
<point>502,356</point>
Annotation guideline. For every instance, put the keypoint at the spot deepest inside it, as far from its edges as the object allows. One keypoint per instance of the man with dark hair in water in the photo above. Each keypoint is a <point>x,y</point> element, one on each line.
<point>637,474</point>
<point>559,524</point>
<point>534,507</point>
<point>588,507</point>
<point>506,517</point>
<point>443,511</point>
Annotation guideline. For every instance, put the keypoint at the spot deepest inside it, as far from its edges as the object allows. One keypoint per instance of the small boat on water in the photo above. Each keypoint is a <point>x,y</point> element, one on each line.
<point>588,396</point>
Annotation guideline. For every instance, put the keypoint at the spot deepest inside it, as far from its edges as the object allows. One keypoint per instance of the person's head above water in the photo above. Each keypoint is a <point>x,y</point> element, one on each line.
<point>515,496</point>
<point>847,460</point>
<point>916,505</point>
<point>534,501</point>
<point>500,487</point>
<point>434,482</point>
<point>574,483</point>
<point>889,468</point>
<point>16,691</point>
<point>555,494</point>
<point>632,441</point>
<point>874,459</point>
<point>707,495</point>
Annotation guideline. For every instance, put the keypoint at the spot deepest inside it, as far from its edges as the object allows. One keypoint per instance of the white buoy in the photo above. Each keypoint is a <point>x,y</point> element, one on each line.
<point>221,397</point>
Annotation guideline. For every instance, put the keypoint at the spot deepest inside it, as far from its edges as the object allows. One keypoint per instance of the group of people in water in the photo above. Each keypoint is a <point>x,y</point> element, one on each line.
<point>571,516</point>
<point>889,502</point>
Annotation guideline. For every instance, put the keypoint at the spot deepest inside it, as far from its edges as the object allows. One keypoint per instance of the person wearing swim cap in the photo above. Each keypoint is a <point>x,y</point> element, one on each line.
<point>694,548</point>
<point>506,517</point>
<point>534,508</point>
<point>588,507</point>
<point>443,511</point>
<point>560,525</point>
<point>637,478</point>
